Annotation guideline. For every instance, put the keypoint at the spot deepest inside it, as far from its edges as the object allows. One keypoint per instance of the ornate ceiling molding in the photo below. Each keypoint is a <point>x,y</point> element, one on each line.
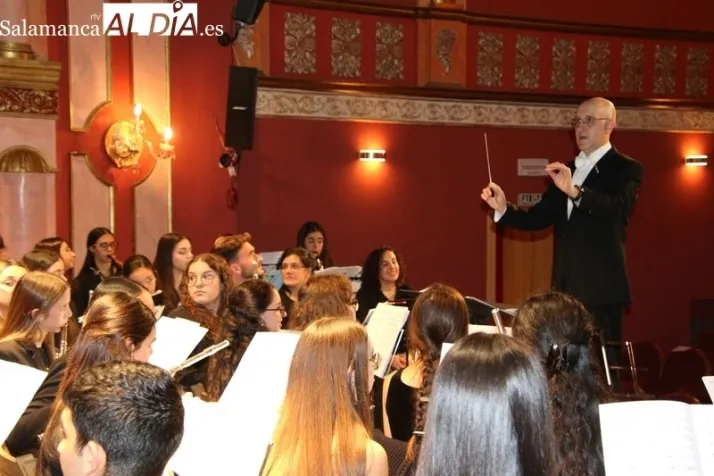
<point>275,102</point>
<point>29,87</point>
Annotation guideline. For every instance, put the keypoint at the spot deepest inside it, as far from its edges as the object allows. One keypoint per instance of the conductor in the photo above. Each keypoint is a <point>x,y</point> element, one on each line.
<point>588,203</point>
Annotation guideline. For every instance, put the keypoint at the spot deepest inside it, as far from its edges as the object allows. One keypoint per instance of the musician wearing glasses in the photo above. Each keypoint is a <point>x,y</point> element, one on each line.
<point>588,204</point>
<point>296,266</point>
<point>99,263</point>
<point>204,292</point>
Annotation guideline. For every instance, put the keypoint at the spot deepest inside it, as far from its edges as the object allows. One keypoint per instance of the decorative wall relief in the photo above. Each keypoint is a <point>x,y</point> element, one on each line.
<point>445,41</point>
<point>346,48</point>
<point>300,33</point>
<point>598,77</point>
<point>697,74</point>
<point>527,75</point>
<point>563,72</point>
<point>246,41</point>
<point>389,58</point>
<point>490,59</point>
<point>665,69</point>
<point>632,68</point>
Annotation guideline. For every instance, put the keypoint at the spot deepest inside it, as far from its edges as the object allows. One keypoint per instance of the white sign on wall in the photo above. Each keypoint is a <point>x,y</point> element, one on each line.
<point>532,167</point>
<point>528,199</point>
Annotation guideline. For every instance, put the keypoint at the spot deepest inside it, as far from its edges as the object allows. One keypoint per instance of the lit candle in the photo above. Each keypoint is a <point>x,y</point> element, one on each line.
<point>137,111</point>
<point>168,134</point>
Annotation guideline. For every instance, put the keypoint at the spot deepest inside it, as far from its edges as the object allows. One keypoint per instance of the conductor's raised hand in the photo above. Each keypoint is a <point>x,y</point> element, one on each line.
<point>562,178</point>
<point>494,196</point>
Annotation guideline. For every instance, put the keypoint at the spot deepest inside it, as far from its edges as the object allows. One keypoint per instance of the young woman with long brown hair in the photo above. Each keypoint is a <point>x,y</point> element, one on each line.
<point>253,306</point>
<point>117,327</point>
<point>38,309</point>
<point>204,299</point>
<point>23,438</point>
<point>439,315</point>
<point>173,254</point>
<point>325,425</point>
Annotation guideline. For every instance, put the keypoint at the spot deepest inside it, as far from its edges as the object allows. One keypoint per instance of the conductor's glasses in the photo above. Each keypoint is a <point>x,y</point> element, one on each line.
<point>586,121</point>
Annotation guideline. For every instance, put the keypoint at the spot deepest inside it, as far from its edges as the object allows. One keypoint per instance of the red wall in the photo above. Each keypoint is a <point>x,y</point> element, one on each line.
<point>424,199</point>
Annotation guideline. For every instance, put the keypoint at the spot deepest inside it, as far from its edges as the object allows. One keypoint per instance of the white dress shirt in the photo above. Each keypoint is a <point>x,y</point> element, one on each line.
<point>584,164</point>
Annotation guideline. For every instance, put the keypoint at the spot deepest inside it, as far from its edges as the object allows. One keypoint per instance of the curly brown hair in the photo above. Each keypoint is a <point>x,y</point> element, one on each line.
<point>439,315</point>
<point>322,296</point>
<point>246,303</point>
<point>199,313</point>
<point>562,332</point>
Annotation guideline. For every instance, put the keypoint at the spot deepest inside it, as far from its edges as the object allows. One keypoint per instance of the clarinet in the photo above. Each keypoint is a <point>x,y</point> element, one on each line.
<point>320,267</point>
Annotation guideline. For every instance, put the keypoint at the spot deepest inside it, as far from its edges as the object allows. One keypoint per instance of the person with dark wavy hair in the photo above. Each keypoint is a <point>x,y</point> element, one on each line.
<point>313,238</point>
<point>253,306</point>
<point>384,278</point>
<point>488,412</point>
<point>562,332</point>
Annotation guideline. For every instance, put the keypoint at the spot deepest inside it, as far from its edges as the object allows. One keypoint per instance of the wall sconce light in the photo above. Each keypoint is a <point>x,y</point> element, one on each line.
<point>124,142</point>
<point>372,155</point>
<point>696,160</point>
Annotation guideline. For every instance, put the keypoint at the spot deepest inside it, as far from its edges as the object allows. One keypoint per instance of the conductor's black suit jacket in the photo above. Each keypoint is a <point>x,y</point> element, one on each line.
<point>589,255</point>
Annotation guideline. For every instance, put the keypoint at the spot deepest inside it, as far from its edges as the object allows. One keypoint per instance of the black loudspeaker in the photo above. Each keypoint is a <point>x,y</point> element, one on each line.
<point>240,110</point>
<point>247,11</point>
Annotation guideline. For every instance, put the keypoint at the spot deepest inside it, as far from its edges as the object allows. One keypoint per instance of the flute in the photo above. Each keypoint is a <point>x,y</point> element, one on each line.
<point>200,356</point>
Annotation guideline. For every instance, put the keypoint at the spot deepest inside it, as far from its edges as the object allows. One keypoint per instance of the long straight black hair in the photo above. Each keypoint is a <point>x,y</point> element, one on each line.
<point>92,238</point>
<point>488,412</point>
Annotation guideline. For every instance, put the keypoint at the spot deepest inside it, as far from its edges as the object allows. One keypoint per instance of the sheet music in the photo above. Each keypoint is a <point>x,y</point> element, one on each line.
<point>175,340</point>
<point>383,328</point>
<point>474,328</point>
<point>709,384</point>
<point>251,403</point>
<point>352,272</point>
<point>270,265</point>
<point>649,438</point>
<point>24,382</point>
<point>445,347</point>
<point>211,445</point>
<point>703,422</point>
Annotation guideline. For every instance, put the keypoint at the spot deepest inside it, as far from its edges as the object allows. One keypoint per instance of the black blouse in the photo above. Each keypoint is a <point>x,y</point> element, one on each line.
<point>26,354</point>
<point>400,407</point>
<point>87,280</point>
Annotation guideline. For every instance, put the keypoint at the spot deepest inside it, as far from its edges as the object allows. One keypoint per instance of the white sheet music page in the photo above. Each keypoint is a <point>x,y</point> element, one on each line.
<point>709,385</point>
<point>383,328</point>
<point>215,442</point>
<point>19,384</point>
<point>474,328</point>
<point>445,347</point>
<point>175,340</point>
<point>703,422</point>
<point>649,438</point>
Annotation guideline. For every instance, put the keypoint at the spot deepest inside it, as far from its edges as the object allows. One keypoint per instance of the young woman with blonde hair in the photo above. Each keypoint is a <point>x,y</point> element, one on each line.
<point>38,309</point>
<point>325,426</point>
